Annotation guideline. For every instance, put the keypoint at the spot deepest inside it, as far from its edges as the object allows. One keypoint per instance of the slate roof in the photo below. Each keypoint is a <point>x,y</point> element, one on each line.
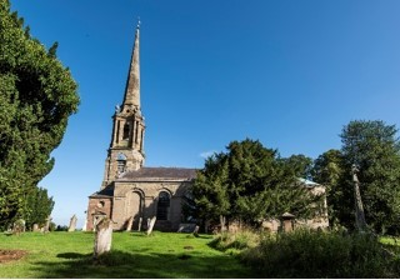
<point>108,191</point>
<point>159,173</point>
<point>308,182</point>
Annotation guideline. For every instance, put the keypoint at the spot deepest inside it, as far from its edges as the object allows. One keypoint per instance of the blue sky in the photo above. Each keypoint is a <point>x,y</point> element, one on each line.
<point>289,73</point>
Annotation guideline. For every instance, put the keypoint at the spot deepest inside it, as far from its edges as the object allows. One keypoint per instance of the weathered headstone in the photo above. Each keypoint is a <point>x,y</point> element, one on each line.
<point>72,223</point>
<point>46,227</point>
<point>130,223</point>
<point>102,242</point>
<point>19,226</point>
<point>148,223</point>
<point>151,226</point>
<point>196,231</point>
<point>84,228</point>
<point>35,228</point>
<point>140,223</point>
<point>187,227</point>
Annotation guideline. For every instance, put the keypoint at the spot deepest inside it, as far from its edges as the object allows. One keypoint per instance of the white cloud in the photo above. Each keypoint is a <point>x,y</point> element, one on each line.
<point>207,154</point>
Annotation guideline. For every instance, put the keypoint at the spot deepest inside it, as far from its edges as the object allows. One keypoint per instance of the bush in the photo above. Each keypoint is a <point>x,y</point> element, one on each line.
<point>311,254</point>
<point>236,242</point>
<point>61,228</point>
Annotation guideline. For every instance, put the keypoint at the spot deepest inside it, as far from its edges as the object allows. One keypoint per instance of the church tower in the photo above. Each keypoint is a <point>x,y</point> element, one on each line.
<point>126,151</point>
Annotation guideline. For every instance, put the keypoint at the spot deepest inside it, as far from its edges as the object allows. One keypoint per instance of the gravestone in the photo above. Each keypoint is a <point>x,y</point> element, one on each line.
<point>72,223</point>
<point>19,226</point>
<point>187,227</point>
<point>46,227</point>
<point>84,228</point>
<point>102,242</point>
<point>196,231</point>
<point>130,223</point>
<point>151,226</point>
<point>35,228</point>
<point>140,223</point>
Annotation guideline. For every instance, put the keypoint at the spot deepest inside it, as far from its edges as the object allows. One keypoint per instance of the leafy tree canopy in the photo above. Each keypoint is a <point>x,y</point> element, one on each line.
<point>37,95</point>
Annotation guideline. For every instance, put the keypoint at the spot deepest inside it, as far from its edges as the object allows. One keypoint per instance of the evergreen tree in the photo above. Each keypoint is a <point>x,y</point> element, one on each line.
<point>38,207</point>
<point>37,95</point>
<point>301,165</point>
<point>375,149</point>
<point>249,183</point>
<point>328,171</point>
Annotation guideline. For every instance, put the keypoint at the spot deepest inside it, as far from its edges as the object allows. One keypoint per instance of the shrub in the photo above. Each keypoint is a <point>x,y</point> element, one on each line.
<point>311,254</point>
<point>238,241</point>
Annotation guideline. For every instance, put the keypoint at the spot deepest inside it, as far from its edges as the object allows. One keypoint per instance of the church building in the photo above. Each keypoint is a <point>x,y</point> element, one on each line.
<point>130,189</point>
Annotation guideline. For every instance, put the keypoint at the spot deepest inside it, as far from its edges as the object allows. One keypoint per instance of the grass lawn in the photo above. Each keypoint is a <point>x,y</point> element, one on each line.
<point>133,255</point>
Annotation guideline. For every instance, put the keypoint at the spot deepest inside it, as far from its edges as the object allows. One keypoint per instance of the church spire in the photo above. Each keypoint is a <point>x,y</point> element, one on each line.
<point>126,150</point>
<point>132,90</point>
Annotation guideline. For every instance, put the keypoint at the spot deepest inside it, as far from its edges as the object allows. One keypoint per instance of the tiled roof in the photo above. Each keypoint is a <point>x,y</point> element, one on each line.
<point>159,173</point>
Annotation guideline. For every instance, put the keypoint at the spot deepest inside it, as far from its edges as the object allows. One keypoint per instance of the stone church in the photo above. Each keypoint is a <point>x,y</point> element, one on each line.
<point>129,189</point>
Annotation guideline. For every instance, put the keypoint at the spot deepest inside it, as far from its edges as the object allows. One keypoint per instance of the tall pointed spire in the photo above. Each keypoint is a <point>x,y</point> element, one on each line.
<point>132,90</point>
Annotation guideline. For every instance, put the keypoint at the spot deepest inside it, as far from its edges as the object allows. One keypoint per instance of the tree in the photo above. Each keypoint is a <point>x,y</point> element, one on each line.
<point>210,190</point>
<point>328,171</point>
<point>249,183</point>
<point>37,95</point>
<point>38,207</point>
<point>374,148</point>
<point>300,164</point>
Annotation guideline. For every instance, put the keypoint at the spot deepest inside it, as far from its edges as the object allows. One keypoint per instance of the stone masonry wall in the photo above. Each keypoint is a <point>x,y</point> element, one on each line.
<point>97,206</point>
<point>148,192</point>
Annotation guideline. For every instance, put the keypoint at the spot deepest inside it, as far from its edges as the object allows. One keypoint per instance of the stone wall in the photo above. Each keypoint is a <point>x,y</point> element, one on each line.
<point>145,203</point>
<point>98,206</point>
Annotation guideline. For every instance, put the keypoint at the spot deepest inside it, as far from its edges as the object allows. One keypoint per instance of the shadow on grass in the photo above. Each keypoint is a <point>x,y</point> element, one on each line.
<point>119,264</point>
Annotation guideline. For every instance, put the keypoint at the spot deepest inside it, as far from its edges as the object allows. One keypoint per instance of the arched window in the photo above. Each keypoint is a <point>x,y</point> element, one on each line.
<point>127,129</point>
<point>163,206</point>
<point>121,162</point>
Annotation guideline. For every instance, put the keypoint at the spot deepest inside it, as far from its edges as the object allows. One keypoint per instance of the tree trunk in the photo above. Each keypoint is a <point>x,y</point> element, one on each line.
<point>222,221</point>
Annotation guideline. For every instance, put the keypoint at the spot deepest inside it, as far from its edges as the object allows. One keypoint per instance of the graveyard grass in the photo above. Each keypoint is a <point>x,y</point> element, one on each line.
<point>133,255</point>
